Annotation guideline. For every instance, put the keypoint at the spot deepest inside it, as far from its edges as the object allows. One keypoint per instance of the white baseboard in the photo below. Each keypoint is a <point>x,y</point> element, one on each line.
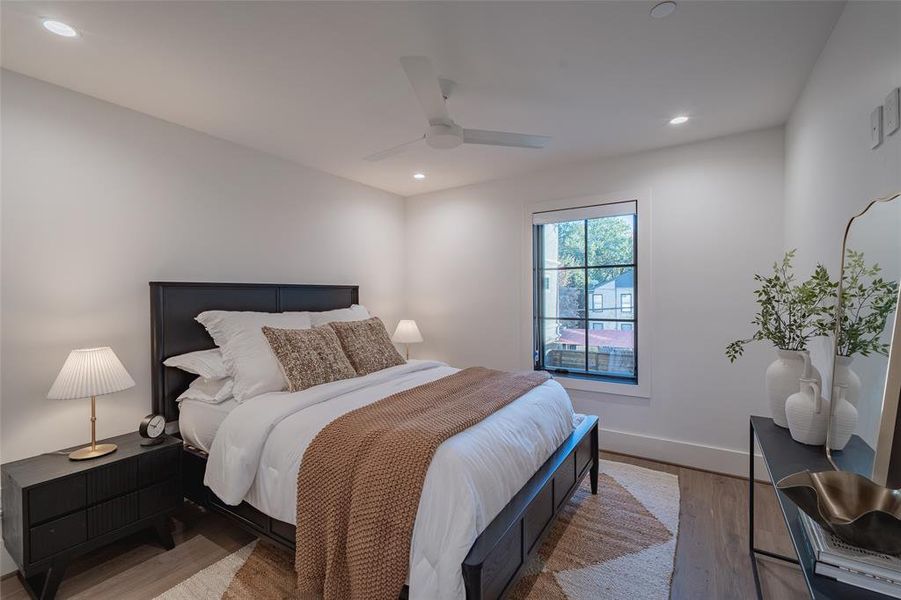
<point>688,454</point>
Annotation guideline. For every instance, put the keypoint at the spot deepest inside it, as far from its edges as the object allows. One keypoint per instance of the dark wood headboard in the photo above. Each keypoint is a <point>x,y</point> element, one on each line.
<point>173,330</point>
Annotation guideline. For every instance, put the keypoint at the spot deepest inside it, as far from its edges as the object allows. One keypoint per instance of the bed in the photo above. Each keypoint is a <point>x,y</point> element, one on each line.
<point>506,535</point>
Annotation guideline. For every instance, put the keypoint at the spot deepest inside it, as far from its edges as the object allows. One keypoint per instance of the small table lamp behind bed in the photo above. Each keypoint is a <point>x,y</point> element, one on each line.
<point>88,373</point>
<point>407,333</point>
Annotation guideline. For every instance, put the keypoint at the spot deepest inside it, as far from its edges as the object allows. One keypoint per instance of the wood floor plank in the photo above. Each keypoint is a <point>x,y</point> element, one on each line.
<point>11,589</point>
<point>711,554</point>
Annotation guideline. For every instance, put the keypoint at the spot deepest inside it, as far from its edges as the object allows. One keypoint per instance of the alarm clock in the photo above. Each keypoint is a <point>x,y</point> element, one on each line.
<point>153,427</point>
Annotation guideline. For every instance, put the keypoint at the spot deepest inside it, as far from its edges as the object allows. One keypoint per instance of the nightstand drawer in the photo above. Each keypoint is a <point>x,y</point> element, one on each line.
<point>55,536</point>
<point>159,497</point>
<point>112,514</point>
<point>112,480</point>
<point>158,466</point>
<point>55,498</point>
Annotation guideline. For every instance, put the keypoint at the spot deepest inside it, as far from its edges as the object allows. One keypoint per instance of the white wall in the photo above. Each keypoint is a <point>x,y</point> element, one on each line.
<point>98,200</point>
<point>717,219</point>
<point>831,171</point>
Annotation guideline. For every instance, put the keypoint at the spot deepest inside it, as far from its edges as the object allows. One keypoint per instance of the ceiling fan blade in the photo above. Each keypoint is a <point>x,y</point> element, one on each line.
<point>504,138</point>
<point>392,151</point>
<point>426,87</point>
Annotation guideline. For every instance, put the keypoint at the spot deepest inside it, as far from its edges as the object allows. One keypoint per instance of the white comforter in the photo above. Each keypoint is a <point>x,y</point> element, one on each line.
<point>257,451</point>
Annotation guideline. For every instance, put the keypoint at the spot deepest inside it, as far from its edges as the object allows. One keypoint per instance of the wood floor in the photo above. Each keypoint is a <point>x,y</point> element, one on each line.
<point>712,550</point>
<point>711,555</point>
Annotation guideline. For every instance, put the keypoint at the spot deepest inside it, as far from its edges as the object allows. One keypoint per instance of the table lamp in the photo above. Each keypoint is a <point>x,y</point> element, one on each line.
<point>88,373</point>
<point>407,333</point>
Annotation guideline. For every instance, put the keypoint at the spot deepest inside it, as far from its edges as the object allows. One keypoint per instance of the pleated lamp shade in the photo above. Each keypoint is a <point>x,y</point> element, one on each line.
<point>406,333</point>
<point>90,372</point>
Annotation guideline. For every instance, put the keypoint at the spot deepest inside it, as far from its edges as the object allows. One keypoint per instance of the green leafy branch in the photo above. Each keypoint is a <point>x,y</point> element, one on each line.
<point>867,302</point>
<point>790,313</point>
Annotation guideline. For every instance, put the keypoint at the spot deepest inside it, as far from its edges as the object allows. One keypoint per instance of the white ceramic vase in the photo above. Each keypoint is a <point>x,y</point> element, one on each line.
<point>807,413</point>
<point>782,377</point>
<point>845,375</point>
<point>844,419</point>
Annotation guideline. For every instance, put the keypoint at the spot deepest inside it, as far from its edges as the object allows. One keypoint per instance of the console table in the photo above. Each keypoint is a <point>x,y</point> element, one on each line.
<point>783,456</point>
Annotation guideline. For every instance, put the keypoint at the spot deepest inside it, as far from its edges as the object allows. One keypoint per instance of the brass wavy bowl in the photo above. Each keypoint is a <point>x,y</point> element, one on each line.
<point>857,510</point>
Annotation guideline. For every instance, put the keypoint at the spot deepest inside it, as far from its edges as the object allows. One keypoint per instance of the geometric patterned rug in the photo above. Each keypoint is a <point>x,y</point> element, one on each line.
<point>617,545</point>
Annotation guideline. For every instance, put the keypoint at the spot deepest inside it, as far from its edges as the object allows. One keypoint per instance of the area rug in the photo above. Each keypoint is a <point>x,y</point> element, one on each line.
<point>617,545</point>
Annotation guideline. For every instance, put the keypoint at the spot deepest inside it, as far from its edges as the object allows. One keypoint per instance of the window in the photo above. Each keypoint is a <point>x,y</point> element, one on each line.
<point>585,294</point>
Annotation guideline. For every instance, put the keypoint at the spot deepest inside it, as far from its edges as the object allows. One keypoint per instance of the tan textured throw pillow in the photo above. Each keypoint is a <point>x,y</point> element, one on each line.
<point>367,345</point>
<point>309,356</point>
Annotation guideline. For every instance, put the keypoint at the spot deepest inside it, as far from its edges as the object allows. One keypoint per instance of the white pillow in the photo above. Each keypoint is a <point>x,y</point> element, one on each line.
<point>248,358</point>
<point>356,312</point>
<point>206,363</point>
<point>209,391</point>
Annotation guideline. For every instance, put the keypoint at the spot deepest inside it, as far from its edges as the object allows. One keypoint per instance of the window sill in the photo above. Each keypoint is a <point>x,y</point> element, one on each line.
<point>599,386</point>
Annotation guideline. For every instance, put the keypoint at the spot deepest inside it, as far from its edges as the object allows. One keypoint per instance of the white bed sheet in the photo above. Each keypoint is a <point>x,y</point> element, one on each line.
<point>199,421</point>
<point>257,452</point>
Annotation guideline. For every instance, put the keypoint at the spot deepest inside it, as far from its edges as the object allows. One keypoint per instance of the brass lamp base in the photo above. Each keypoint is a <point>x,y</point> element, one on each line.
<point>95,450</point>
<point>89,452</point>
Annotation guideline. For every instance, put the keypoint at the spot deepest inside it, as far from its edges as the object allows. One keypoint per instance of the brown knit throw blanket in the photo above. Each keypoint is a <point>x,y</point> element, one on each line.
<point>361,478</point>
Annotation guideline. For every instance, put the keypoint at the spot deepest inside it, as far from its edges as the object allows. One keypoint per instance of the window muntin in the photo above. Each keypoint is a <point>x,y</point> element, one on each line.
<point>585,302</point>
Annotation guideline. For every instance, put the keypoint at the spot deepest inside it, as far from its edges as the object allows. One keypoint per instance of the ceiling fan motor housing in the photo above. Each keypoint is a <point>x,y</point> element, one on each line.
<point>444,136</point>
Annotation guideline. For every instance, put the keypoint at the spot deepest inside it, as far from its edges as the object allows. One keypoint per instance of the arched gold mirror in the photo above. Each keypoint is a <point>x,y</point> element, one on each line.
<point>866,370</point>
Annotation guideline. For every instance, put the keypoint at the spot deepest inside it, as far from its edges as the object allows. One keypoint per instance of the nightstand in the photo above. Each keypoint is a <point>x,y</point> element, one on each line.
<point>55,509</point>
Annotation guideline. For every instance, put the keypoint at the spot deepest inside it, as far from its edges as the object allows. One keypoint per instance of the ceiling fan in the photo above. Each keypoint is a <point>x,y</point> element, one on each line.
<point>443,133</point>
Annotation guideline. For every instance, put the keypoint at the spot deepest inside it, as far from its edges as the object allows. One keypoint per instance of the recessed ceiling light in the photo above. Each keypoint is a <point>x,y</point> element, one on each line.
<point>664,9</point>
<point>419,176</point>
<point>678,120</point>
<point>60,28</point>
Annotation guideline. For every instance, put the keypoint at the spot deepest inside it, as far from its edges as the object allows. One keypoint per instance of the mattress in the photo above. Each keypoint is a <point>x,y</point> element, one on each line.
<point>199,421</point>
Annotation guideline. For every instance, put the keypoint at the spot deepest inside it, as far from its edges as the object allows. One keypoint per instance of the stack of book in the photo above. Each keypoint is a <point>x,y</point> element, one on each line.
<point>850,564</point>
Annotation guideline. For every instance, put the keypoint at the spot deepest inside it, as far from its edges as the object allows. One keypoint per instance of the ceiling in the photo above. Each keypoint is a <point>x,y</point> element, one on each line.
<point>320,83</point>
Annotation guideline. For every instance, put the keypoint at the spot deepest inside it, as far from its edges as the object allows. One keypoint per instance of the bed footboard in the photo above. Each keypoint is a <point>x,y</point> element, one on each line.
<point>496,559</point>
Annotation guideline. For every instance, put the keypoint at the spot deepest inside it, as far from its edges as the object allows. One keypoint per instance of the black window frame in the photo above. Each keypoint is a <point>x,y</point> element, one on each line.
<point>539,272</point>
